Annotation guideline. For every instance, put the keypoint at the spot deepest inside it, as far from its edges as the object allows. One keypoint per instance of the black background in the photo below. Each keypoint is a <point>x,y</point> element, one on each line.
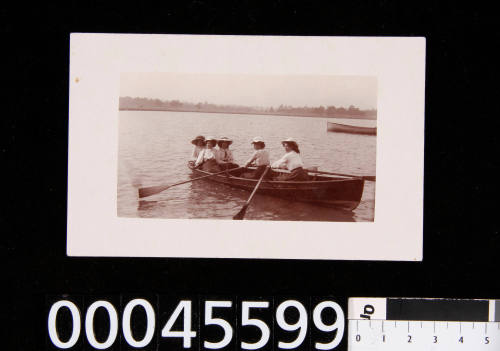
<point>461,230</point>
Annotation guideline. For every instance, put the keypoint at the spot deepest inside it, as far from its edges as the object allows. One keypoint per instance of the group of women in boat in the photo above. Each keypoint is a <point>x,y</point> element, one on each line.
<point>214,155</point>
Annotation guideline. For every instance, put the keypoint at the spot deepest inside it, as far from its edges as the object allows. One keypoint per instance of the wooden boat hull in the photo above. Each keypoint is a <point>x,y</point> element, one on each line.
<point>343,128</point>
<point>339,192</point>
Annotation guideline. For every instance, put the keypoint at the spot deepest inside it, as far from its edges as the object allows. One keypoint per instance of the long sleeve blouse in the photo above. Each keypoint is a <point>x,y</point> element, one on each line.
<point>205,155</point>
<point>224,155</point>
<point>290,161</point>
<point>259,157</point>
<point>196,151</point>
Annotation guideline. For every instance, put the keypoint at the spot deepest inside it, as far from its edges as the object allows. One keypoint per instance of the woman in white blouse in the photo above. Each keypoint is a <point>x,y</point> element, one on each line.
<point>260,159</point>
<point>224,156</point>
<point>207,158</point>
<point>199,145</point>
<point>291,161</point>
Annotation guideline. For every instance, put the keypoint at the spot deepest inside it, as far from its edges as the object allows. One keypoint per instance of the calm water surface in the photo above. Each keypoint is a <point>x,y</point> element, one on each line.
<point>154,147</point>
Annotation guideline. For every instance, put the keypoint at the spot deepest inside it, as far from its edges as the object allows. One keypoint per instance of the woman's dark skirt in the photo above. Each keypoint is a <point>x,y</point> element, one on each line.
<point>255,174</point>
<point>211,166</point>
<point>298,174</point>
<point>226,166</point>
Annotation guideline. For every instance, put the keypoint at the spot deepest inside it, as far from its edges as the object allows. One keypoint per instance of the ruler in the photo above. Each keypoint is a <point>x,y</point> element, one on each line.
<point>423,324</point>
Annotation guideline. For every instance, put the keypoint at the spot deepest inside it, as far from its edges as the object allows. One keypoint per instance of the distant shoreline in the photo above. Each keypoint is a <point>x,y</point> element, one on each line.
<point>248,113</point>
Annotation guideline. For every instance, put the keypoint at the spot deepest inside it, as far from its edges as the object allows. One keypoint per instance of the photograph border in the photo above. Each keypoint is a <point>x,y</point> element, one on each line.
<point>96,62</point>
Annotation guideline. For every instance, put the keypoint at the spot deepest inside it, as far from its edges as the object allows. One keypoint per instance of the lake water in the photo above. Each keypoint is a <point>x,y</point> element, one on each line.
<point>154,147</point>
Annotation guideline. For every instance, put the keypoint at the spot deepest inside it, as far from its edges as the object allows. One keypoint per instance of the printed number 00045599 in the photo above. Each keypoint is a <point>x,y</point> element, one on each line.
<point>184,307</point>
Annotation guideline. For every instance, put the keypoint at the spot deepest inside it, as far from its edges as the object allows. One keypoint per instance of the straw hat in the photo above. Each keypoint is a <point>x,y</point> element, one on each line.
<point>198,138</point>
<point>224,140</point>
<point>211,138</point>
<point>289,140</point>
<point>257,140</point>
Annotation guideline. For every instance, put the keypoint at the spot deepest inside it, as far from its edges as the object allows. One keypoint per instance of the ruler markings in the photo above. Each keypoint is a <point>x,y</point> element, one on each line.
<point>459,334</point>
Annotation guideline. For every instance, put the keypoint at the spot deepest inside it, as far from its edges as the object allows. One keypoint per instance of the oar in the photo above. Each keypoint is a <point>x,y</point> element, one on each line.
<point>151,190</point>
<point>368,178</point>
<point>241,214</point>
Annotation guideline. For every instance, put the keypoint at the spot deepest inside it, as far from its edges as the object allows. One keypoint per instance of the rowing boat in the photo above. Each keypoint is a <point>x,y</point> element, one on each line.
<point>342,192</point>
<point>343,128</point>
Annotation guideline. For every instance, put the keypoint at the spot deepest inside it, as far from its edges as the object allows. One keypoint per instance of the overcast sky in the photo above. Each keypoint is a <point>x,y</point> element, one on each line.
<point>253,90</point>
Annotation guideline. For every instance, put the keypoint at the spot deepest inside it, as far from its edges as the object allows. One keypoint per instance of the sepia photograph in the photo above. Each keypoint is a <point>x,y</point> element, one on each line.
<point>294,148</point>
<point>246,146</point>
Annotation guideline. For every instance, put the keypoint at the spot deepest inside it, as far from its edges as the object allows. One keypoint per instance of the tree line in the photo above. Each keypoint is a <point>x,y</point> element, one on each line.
<point>140,103</point>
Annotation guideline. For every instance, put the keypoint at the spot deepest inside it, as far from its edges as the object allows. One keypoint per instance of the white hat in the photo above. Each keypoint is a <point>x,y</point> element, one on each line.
<point>224,139</point>
<point>257,140</point>
<point>211,138</point>
<point>289,140</point>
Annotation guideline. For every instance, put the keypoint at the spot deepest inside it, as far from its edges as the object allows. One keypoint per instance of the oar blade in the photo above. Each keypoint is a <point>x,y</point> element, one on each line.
<point>145,192</point>
<point>240,215</point>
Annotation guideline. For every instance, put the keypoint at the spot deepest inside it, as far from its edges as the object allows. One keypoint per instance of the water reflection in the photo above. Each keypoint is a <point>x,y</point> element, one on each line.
<point>224,201</point>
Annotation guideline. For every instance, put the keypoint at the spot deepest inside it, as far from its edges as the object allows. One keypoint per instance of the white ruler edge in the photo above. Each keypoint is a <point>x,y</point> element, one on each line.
<point>491,312</point>
<point>367,308</point>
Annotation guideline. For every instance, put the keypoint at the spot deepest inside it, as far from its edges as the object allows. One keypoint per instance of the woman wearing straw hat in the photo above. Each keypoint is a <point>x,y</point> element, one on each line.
<point>199,145</point>
<point>206,159</point>
<point>224,156</point>
<point>291,161</point>
<point>260,158</point>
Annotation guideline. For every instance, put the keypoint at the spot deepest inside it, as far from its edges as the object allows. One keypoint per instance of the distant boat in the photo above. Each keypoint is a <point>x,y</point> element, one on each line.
<point>343,128</point>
